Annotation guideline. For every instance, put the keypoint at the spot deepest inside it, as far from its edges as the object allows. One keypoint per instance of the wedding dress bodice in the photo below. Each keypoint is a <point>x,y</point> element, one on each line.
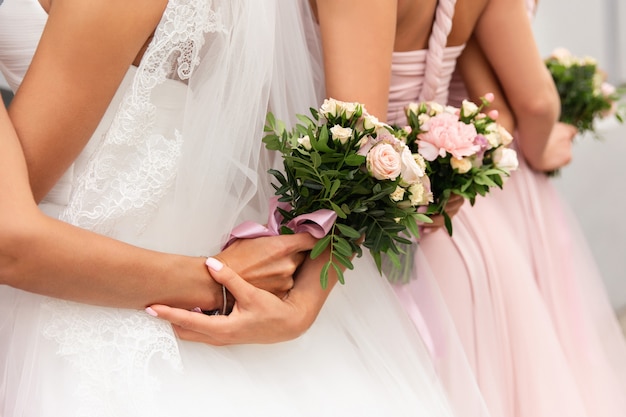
<point>21,25</point>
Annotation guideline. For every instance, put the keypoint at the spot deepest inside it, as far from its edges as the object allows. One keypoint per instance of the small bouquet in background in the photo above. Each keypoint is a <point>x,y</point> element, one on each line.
<point>465,150</point>
<point>585,94</point>
<point>344,160</point>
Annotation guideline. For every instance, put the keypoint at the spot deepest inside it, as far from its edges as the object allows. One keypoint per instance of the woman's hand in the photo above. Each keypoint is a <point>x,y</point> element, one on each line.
<point>558,150</point>
<point>258,316</point>
<point>268,263</point>
<point>452,208</point>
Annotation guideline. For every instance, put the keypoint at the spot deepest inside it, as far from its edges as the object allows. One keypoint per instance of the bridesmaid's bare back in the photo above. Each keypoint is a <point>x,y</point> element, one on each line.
<point>415,19</point>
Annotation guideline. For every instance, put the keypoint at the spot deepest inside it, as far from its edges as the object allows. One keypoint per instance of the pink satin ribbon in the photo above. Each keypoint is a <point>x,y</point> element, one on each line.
<point>317,224</point>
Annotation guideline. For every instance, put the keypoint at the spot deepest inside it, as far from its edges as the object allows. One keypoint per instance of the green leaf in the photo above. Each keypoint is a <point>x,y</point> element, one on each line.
<point>316,159</point>
<point>448,222</point>
<point>339,273</point>
<point>334,187</point>
<point>320,246</point>
<point>324,275</point>
<point>284,230</point>
<point>345,261</point>
<point>348,231</point>
<point>338,210</point>
<point>342,246</point>
<point>354,160</point>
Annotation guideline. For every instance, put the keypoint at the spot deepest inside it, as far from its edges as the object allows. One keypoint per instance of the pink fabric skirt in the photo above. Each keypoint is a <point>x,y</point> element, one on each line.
<point>528,304</point>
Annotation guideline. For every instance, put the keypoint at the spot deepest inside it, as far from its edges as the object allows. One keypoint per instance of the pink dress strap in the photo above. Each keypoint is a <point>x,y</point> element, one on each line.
<point>436,47</point>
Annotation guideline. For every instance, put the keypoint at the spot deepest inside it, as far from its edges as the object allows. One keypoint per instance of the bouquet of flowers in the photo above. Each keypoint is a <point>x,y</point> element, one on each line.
<point>585,95</point>
<point>465,150</point>
<point>344,160</point>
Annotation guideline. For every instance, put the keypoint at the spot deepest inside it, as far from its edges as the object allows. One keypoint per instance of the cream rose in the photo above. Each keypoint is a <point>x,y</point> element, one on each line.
<point>329,108</point>
<point>305,142</point>
<point>462,165</point>
<point>505,137</point>
<point>342,134</point>
<point>383,162</point>
<point>348,109</point>
<point>469,108</point>
<point>505,159</point>
<point>371,122</point>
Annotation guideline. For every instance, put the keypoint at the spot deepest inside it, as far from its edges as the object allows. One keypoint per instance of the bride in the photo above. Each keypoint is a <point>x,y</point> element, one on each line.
<point>172,166</point>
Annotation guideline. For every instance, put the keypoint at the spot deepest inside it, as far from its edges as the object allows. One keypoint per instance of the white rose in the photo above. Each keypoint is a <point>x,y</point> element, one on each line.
<point>561,54</point>
<point>493,138</point>
<point>423,118</point>
<point>588,60</point>
<point>607,89</point>
<point>411,171</point>
<point>371,122</point>
<point>435,108</point>
<point>469,108</point>
<point>329,108</point>
<point>397,195</point>
<point>305,142</point>
<point>342,134</point>
<point>383,162</point>
<point>505,159</point>
<point>505,137</point>
<point>462,165</point>
<point>413,108</point>
<point>348,109</point>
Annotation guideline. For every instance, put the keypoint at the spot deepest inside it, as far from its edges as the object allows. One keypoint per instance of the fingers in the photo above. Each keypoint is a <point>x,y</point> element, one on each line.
<point>300,241</point>
<point>238,287</point>
<point>190,325</point>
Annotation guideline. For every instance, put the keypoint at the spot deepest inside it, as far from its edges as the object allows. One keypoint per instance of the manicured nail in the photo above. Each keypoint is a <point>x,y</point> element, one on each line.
<point>214,264</point>
<point>150,311</point>
<point>197,310</point>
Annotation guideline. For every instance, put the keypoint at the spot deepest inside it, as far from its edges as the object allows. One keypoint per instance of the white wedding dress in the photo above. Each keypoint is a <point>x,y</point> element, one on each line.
<point>173,166</point>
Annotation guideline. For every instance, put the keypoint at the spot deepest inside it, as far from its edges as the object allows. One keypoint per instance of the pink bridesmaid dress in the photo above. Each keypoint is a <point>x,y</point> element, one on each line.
<point>528,304</point>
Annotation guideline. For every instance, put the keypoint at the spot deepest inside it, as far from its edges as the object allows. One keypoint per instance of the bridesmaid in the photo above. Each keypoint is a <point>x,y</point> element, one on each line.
<point>516,298</point>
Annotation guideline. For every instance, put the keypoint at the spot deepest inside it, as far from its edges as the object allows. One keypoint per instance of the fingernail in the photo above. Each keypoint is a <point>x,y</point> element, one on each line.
<point>197,310</point>
<point>214,264</point>
<point>150,311</point>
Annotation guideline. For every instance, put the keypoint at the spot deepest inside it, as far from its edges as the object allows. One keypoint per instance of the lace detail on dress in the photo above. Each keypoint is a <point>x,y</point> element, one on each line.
<point>129,172</point>
<point>111,350</point>
<point>135,165</point>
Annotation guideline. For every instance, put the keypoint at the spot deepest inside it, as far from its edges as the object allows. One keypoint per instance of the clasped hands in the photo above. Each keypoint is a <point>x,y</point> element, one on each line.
<point>276,289</point>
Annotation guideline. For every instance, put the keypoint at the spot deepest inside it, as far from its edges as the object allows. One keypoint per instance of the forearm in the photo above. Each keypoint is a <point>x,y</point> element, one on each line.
<point>49,257</point>
<point>357,58</point>
<point>54,259</point>
<point>519,67</point>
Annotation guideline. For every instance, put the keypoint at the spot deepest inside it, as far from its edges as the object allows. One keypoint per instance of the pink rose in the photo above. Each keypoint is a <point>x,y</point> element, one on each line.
<point>444,133</point>
<point>384,162</point>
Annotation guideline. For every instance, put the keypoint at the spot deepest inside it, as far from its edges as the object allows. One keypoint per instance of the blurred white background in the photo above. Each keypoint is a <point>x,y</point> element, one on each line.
<point>594,183</point>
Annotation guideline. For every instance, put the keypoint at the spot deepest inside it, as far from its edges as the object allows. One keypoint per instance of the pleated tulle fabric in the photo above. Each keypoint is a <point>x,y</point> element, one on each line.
<point>526,299</point>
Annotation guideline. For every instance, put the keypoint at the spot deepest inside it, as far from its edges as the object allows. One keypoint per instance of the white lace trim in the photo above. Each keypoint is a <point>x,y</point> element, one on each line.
<point>111,350</point>
<point>134,166</point>
<point>130,171</point>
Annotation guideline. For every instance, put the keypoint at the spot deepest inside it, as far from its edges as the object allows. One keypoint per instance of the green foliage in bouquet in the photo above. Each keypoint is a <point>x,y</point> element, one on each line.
<point>466,151</point>
<point>584,94</point>
<point>328,164</point>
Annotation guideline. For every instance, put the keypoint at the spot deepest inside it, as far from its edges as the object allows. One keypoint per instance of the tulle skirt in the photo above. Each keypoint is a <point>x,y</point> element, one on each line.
<point>528,304</point>
<point>361,357</point>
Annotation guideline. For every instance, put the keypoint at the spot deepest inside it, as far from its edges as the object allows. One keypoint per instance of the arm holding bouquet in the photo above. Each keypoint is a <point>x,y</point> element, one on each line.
<point>479,77</point>
<point>526,83</point>
<point>50,257</point>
